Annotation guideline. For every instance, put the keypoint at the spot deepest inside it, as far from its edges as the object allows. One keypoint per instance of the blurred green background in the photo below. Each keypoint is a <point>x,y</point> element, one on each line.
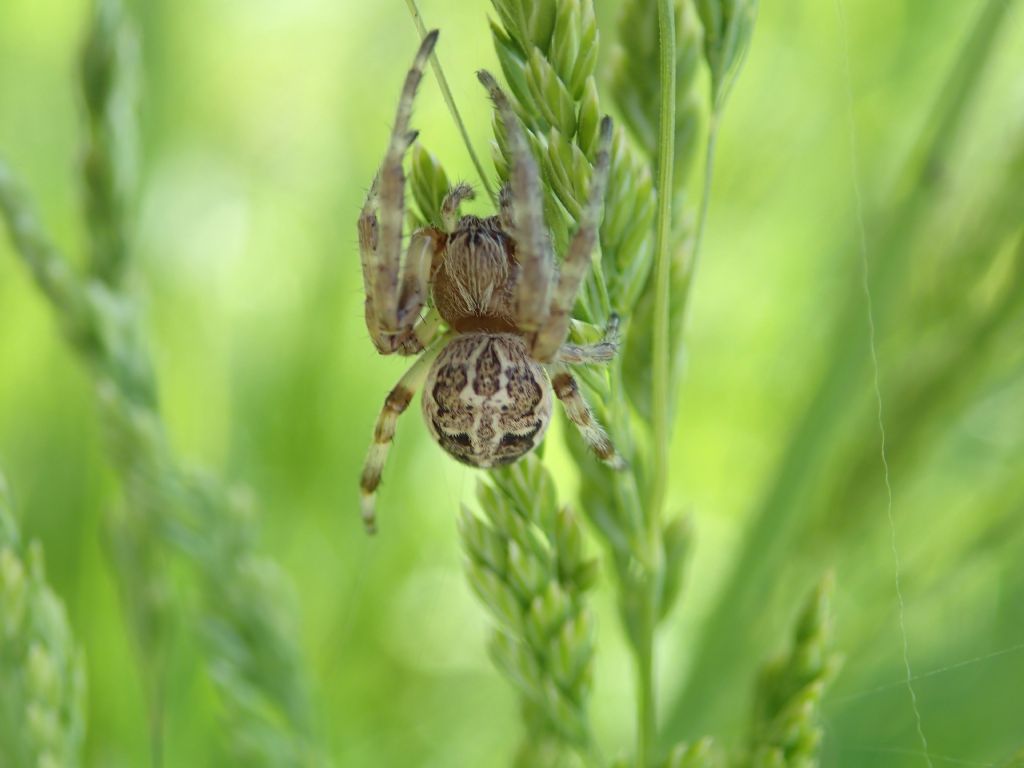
<point>262,124</point>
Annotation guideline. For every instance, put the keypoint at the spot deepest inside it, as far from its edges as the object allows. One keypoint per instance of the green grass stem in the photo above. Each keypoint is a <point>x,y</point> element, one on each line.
<point>661,373</point>
<point>442,81</point>
<point>661,352</point>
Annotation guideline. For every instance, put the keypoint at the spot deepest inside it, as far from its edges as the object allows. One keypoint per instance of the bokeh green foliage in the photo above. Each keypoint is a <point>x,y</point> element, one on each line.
<point>42,699</point>
<point>249,653</point>
<point>927,350</point>
<point>786,729</point>
<point>259,135</point>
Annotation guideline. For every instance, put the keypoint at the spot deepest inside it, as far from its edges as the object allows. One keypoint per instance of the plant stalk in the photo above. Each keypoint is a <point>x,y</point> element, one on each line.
<point>450,101</point>
<point>646,712</point>
<point>661,378</point>
<point>661,368</point>
<point>702,215</point>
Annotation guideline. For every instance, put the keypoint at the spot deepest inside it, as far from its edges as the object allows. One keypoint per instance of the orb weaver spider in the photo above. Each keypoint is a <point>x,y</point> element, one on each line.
<point>487,380</point>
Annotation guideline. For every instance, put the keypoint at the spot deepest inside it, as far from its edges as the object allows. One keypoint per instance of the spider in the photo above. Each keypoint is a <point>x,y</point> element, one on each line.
<point>488,379</point>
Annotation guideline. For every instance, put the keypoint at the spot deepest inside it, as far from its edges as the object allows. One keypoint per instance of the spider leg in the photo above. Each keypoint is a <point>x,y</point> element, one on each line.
<point>423,333</point>
<point>369,232</point>
<point>505,214</point>
<point>452,201</point>
<point>381,243</point>
<point>414,289</point>
<point>553,331</point>
<point>586,354</point>
<point>396,292</point>
<point>533,248</point>
<point>416,339</point>
<point>397,401</point>
<point>424,245</point>
<point>579,413</point>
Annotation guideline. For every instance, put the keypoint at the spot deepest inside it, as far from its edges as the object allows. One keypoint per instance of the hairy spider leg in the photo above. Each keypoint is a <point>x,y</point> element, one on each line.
<point>416,333</point>
<point>553,332</point>
<point>395,403</point>
<point>395,295</point>
<point>385,258</point>
<point>579,413</point>
<point>392,196</point>
<point>505,214</point>
<point>533,247</point>
<point>600,352</point>
<point>423,333</point>
<point>368,236</point>
<point>423,244</point>
<point>450,205</point>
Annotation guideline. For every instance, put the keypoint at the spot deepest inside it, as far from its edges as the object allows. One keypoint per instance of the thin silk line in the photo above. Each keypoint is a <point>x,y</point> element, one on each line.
<point>876,380</point>
<point>911,752</point>
<point>931,673</point>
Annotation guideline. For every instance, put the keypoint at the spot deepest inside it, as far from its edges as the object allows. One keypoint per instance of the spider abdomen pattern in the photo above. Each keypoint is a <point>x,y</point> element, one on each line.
<point>486,402</point>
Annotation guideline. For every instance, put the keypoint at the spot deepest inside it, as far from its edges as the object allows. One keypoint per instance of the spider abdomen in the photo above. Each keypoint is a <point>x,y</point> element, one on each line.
<point>485,401</point>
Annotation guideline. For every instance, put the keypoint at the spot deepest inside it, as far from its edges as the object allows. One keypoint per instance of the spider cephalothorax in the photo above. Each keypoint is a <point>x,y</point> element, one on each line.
<point>493,282</point>
<point>472,284</point>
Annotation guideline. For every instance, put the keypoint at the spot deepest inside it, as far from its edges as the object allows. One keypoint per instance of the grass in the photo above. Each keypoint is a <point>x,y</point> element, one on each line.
<point>782,517</point>
<point>671,615</point>
<point>42,700</point>
<point>168,511</point>
<point>546,53</point>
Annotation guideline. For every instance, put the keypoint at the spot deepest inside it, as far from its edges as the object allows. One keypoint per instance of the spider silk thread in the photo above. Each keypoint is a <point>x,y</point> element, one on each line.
<point>876,378</point>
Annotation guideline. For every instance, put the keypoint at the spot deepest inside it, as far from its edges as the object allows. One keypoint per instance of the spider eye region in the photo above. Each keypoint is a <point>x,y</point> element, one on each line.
<point>485,401</point>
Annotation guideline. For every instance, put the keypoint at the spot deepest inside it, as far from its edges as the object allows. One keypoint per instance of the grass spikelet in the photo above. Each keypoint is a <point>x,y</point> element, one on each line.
<point>548,54</point>
<point>246,608</point>
<point>635,88</point>
<point>700,754</point>
<point>728,25</point>
<point>534,43</point>
<point>787,729</point>
<point>42,697</point>
<point>429,184</point>
<point>528,46</point>
<point>635,81</point>
<point>108,61</point>
<point>525,560</point>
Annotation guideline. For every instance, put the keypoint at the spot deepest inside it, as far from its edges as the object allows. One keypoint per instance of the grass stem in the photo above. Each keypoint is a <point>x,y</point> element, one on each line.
<point>662,260</point>
<point>645,702</point>
<point>702,215</point>
<point>661,380</point>
<point>450,101</point>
